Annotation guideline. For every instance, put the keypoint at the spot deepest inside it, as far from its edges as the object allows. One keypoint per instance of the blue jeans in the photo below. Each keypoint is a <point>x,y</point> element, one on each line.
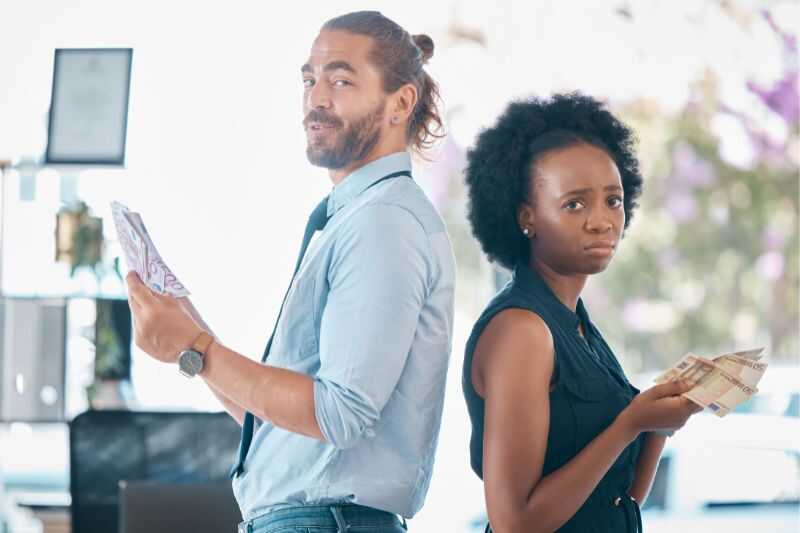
<point>344,518</point>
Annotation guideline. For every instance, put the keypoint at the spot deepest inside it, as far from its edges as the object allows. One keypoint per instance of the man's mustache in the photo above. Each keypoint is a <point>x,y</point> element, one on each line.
<point>322,118</point>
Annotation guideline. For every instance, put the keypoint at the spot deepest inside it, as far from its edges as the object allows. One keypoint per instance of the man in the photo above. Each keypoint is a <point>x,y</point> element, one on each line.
<point>348,406</point>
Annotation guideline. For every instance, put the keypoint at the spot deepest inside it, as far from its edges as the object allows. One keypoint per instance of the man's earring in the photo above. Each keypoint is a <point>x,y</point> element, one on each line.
<point>526,231</point>
<point>395,120</point>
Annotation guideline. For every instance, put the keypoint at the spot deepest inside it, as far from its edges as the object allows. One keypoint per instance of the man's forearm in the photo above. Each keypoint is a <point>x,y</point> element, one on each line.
<point>235,410</point>
<point>283,397</point>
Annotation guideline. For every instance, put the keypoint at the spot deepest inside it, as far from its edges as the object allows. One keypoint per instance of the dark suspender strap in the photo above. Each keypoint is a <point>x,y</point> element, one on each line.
<point>390,176</point>
<point>248,424</point>
<point>300,260</point>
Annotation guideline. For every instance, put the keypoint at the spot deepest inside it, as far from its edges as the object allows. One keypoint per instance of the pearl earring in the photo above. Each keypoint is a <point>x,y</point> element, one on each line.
<point>395,120</point>
<point>526,231</point>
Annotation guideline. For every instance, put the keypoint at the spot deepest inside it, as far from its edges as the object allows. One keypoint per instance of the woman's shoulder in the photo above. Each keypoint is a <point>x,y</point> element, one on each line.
<point>515,343</point>
<point>515,306</point>
<point>509,321</point>
<point>517,327</point>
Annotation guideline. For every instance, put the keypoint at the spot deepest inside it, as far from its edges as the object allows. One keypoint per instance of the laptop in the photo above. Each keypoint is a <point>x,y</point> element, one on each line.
<point>151,507</point>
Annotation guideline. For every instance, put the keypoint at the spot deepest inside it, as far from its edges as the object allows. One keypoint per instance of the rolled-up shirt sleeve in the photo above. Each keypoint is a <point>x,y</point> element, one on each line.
<point>379,277</point>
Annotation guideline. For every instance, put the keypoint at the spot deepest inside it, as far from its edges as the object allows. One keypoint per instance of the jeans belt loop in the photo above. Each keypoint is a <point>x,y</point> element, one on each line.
<point>341,525</point>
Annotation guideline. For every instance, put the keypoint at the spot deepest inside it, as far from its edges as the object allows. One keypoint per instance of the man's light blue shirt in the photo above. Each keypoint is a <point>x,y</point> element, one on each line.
<point>369,316</point>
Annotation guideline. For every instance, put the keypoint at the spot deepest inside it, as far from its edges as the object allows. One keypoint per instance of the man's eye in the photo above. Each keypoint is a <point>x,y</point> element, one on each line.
<point>341,83</point>
<point>574,205</point>
<point>307,82</point>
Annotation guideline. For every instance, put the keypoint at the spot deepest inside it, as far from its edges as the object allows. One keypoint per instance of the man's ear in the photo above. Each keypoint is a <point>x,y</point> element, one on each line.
<point>403,102</point>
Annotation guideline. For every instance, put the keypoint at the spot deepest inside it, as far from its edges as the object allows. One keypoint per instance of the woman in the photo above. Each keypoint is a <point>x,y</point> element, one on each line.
<point>560,437</point>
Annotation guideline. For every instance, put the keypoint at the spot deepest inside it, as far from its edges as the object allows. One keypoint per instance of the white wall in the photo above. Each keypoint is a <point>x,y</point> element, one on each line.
<point>215,159</point>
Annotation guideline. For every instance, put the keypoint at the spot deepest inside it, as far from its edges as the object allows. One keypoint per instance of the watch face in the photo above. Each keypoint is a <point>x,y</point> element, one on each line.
<point>190,363</point>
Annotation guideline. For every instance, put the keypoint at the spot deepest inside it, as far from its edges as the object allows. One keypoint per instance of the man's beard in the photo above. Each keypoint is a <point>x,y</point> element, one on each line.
<point>350,144</point>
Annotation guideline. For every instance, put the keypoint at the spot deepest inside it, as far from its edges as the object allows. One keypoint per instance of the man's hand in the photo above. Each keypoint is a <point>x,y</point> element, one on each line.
<point>163,326</point>
<point>188,306</point>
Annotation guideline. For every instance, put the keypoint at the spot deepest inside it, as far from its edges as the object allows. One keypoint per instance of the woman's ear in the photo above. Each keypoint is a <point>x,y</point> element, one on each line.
<point>526,219</point>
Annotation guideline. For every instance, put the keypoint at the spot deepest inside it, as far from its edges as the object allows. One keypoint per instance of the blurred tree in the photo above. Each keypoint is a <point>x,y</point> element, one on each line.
<point>711,262</point>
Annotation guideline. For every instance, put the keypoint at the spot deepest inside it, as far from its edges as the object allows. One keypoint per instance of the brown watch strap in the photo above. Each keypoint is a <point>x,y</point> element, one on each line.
<point>202,342</point>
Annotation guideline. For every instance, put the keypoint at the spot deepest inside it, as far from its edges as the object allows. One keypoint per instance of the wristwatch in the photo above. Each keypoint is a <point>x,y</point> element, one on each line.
<point>190,361</point>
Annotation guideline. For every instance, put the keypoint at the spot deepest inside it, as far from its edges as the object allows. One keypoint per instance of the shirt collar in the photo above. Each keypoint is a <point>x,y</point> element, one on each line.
<point>533,283</point>
<point>359,180</point>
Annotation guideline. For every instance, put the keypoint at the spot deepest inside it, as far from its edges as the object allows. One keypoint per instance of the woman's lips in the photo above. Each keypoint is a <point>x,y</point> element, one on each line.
<point>601,248</point>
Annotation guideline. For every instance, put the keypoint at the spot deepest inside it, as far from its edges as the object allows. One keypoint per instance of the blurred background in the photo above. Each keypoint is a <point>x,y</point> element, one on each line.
<point>215,161</point>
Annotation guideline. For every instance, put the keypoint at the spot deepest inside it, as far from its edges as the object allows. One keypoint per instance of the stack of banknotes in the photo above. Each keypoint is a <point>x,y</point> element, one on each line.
<point>141,255</point>
<point>721,383</point>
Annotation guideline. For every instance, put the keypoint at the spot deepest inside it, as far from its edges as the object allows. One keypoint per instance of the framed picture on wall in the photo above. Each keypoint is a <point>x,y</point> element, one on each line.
<point>89,106</point>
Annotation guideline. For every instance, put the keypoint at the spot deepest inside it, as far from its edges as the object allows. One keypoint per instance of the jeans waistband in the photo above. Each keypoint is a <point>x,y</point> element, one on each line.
<point>339,516</point>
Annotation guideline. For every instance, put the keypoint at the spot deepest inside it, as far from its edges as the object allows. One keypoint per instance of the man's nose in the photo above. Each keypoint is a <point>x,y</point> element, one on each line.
<point>318,97</point>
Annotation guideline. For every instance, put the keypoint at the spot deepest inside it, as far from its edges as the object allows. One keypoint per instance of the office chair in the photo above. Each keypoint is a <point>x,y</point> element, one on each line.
<point>175,448</point>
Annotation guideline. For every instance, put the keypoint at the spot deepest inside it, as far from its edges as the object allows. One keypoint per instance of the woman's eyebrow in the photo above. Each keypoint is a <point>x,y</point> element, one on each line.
<point>589,189</point>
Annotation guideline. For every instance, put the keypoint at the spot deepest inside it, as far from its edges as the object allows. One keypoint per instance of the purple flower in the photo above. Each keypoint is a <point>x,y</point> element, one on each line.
<point>764,147</point>
<point>770,265</point>
<point>767,149</point>
<point>681,205</point>
<point>691,170</point>
<point>773,238</point>
<point>783,98</point>
<point>789,40</point>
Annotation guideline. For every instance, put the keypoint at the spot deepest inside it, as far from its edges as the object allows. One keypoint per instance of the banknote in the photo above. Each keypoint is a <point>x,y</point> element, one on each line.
<point>141,255</point>
<point>686,363</point>
<point>720,392</point>
<point>155,271</point>
<point>130,241</point>
<point>748,371</point>
<point>754,354</point>
<point>721,383</point>
<point>691,368</point>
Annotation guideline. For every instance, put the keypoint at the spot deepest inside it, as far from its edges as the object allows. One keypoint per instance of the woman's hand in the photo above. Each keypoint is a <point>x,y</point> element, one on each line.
<point>660,408</point>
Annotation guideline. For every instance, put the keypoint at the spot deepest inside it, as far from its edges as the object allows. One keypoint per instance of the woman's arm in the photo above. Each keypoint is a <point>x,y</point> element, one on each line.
<point>646,466</point>
<point>515,357</point>
<point>512,370</point>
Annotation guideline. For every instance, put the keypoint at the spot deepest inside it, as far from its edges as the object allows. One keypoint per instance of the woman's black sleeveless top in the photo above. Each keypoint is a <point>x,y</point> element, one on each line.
<point>590,390</point>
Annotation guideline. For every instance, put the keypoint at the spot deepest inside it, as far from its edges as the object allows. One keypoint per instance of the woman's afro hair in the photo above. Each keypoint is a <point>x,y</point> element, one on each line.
<point>500,166</point>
